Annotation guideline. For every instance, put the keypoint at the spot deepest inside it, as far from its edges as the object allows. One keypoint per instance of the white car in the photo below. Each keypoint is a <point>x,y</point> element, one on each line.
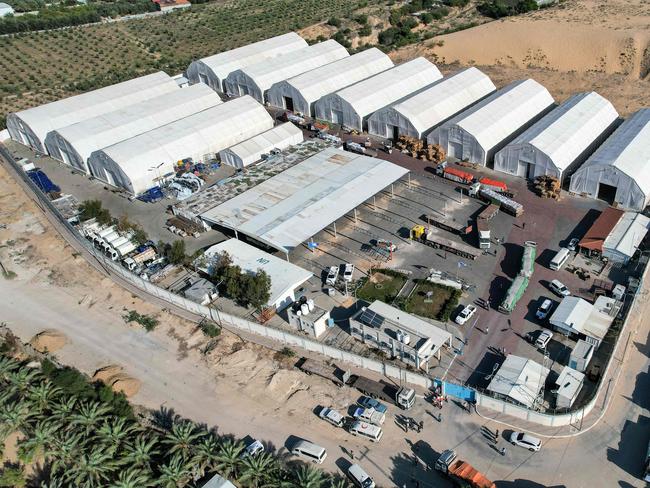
<point>332,275</point>
<point>572,244</point>
<point>543,339</point>
<point>359,477</point>
<point>544,309</point>
<point>465,314</point>
<point>520,439</point>
<point>253,449</point>
<point>347,272</point>
<point>558,288</point>
<point>331,416</point>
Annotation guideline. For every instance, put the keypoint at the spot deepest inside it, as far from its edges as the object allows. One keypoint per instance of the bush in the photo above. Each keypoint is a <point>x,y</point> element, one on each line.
<point>211,330</point>
<point>504,8</point>
<point>147,321</point>
<point>450,305</point>
<point>456,3</point>
<point>365,31</point>
<point>287,352</point>
<point>93,209</point>
<point>334,21</point>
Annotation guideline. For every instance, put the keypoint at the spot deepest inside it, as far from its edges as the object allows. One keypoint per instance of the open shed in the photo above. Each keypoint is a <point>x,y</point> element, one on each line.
<point>519,379</point>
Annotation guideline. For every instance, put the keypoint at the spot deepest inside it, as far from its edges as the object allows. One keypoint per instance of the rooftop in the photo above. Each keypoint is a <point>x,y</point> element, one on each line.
<point>600,229</point>
<point>569,382</point>
<point>627,234</point>
<point>520,379</point>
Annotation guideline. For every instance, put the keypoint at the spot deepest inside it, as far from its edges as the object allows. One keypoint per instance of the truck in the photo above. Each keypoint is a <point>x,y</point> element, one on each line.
<point>454,174</point>
<point>359,148</point>
<point>496,185</point>
<point>132,262</point>
<point>370,415</point>
<point>483,227</point>
<point>505,203</point>
<point>513,295</point>
<point>460,472</point>
<point>333,373</point>
<point>427,236</point>
<point>121,251</point>
<point>99,235</point>
<point>449,225</point>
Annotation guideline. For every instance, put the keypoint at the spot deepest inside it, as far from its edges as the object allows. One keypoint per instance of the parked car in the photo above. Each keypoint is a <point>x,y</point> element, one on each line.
<point>558,288</point>
<point>347,272</point>
<point>331,416</point>
<point>573,243</point>
<point>544,309</point>
<point>543,339</point>
<point>359,477</point>
<point>332,275</point>
<point>465,314</point>
<point>253,449</point>
<point>369,402</point>
<point>529,442</point>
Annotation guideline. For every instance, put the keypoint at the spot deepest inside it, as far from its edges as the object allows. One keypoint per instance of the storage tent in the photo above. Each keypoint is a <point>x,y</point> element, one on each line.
<point>74,144</point>
<point>31,126</point>
<point>626,237</point>
<point>294,205</point>
<point>256,79</point>
<point>521,380</point>
<point>134,164</point>
<point>416,115</point>
<point>480,131</point>
<point>251,150</point>
<point>353,105</point>
<point>560,140</point>
<point>300,93</point>
<point>214,69</point>
<point>619,170</point>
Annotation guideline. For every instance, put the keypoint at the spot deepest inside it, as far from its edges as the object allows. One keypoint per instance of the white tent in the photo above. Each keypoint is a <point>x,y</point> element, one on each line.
<point>256,79</point>
<point>560,140</point>
<point>74,144</point>
<point>214,69</point>
<point>478,132</point>
<point>136,163</point>
<point>520,379</point>
<point>353,105</point>
<point>300,93</point>
<point>31,126</point>
<point>626,236</point>
<point>416,115</point>
<point>619,170</point>
<point>250,151</point>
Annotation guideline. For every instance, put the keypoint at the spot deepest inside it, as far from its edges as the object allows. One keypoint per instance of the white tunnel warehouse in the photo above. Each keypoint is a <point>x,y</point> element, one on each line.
<point>74,144</point>
<point>137,163</point>
<point>619,170</point>
<point>251,150</point>
<point>353,105</point>
<point>561,140</point>
<point>214,69</point>
<point>31,126</point>
<point>256,79</point>
<point>480,131</point>
<point>418,114</point>
<point>300,93</point>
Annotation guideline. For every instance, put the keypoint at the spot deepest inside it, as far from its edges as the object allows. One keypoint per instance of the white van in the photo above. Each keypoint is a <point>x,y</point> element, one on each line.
<point>364,429</point>
<point>310,451</point>
<point>359,477</point>
<point>560,258</point>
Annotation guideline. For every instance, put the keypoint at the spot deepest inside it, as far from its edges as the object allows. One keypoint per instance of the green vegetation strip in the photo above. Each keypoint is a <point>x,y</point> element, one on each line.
<point>383,285</point>
<point>439,305</point>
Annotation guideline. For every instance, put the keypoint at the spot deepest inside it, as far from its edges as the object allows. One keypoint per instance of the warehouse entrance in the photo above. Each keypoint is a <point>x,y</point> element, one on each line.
<point>606,192</point>
<point>395,131</point>
<point>455,150</point>
<point>337,117</point>
<point>288,103</point>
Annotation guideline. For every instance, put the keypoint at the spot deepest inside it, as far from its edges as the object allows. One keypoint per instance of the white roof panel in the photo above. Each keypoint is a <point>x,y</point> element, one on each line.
<point>520,379</point>
<point>569,382</point>
<point>445,98</point>
<point>627,234</point>
<point>387,87</point>
<point>573,312</point>
<point>280,137</point>
<point>565,132</point>
<point>296,204</point>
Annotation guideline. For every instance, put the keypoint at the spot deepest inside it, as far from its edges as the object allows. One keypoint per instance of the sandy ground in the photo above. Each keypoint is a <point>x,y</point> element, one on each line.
<point>578,45</point>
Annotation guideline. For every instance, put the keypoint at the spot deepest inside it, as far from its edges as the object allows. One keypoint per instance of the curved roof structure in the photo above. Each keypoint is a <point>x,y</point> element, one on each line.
<point>214,69</point>
<point>259,77</point>
<point>307,88</point>
<point>74,144</point>
<point>622,161</point>
<point>130,163</point>
<point>31,126</point>
<point>442,100</point>
<point>251,150</point>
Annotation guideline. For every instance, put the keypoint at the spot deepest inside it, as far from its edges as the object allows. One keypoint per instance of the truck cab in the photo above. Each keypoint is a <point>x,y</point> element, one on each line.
<point>445,459</point>
<point>405,398</point>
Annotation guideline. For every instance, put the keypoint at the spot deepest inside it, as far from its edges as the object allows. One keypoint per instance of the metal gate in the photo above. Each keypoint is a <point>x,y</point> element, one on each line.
<point>458,391</point>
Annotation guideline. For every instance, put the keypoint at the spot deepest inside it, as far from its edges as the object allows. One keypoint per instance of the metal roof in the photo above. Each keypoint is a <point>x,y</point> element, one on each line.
<point>601,228</point>
<point>389,86</point>
<point>569,382</point>
<point>293,206</point>
<point>501,114</point>
<point>568,130</point>
<point>444,98</point>
<point>520,379</point>
<point>627,234</point>
<point>572,312</point>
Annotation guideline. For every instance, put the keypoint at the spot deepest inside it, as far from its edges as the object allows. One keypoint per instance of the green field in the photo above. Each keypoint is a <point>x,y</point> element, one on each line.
<point>443,298</point>
<point>382,286</point>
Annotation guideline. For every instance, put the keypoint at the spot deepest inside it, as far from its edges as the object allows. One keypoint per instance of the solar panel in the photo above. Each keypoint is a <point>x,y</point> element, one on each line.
<point>371,318</point>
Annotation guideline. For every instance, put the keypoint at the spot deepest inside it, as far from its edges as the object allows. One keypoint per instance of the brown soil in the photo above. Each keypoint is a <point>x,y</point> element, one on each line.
<point>48,341</point>
<point>125,384</point>
<point>107,372</point>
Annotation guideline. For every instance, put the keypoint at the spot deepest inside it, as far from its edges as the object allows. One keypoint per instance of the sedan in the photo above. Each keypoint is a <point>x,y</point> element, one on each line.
<point>465,314</point>
<point>520,439</point>
<point>332,275</point>
<point>368,402</point>
<point>544,309</point>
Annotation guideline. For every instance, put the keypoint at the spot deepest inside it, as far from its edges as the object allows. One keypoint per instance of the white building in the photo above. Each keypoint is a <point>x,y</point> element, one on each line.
<point>251,150</point>
<point>137,163</point>
<point>353,105</point>
<point>619,171</point>
<point>74,144</point>
<point>519,379</point>
<point>256,79</point>
<point>6,9</point>
<point>285,277</point>
<point>480,131</point>
<point>294,205</point>
<point>626,237</point>
<point>580,356</point>
<point>577,317</point>
<point>30,127</point>
<point>561,140</point>
<point>568,384</point>
<point>300,93</point>
<point>417,115</point>
<point>214,69</point>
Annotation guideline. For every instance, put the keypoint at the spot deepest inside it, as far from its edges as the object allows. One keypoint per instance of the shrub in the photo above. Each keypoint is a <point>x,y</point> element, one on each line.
<point>450,305</point>
<point>287,352</point>
<point>147,321</point>
<point>90,209</point>
<point>210,329</point>
<point>503,8</point>
<point>334,21</point>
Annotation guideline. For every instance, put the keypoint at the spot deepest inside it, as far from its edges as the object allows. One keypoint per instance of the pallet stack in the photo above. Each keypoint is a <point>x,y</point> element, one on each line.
<point>416,148</point>
<point>547,187</point>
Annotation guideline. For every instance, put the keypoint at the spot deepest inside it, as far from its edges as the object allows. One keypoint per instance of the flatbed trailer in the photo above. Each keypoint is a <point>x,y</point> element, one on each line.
<point>449,225</point>
<point>330,372</point>
<point>436,241</point>
<point>397,395</point>
<point>489,212</point>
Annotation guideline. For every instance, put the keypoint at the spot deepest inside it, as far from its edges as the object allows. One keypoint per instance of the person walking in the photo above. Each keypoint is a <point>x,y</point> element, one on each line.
<point>351,454</point>
<point>496,435</point>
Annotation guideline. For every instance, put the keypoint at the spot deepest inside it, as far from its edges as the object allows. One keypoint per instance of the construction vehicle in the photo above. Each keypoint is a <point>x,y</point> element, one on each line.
<point>449,225</point>
<point>461,473</point>
<point>427,236</point>
<point>520,283</point>
<point>454,174</point>
<point>505,203</point>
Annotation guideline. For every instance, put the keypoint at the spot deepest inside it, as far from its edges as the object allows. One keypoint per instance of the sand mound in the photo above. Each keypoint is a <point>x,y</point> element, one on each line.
<point>103,374</point>
<point>125,384</point>
<point>48,341</point>
<point>283,381</point>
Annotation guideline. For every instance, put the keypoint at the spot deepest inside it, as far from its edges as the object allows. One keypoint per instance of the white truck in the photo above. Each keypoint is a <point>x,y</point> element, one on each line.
<point>121,251</point>
<point>370,415</point>
<point>99,235</point>
<point>487,194</point>
<point>137,260</point>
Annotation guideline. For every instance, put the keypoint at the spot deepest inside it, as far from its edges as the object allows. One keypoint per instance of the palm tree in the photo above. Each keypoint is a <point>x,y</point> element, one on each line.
<point>205,456</point>
<point>39,438</point>
<point>13,417</point>
<point>64,449</point>
<point>228,460</point>
<point>132,478</point>
<point>339,483</point>
<point>259,471</point>
<point>64,409</point>
<point>7,365</point>
<point>141,450</point>
<point>43,394</point>
<point>92,468</point>
<point>182,437</point>
<point>308,477</point>
<point>23,378</point>
<point>89,414</point>
<point>115,430</point>
<point>174,473</point>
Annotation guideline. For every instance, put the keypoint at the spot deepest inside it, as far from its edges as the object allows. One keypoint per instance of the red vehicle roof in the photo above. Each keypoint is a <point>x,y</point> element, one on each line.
<point>461,173</point>
<point>490,182</point>
<point>467,472</point>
